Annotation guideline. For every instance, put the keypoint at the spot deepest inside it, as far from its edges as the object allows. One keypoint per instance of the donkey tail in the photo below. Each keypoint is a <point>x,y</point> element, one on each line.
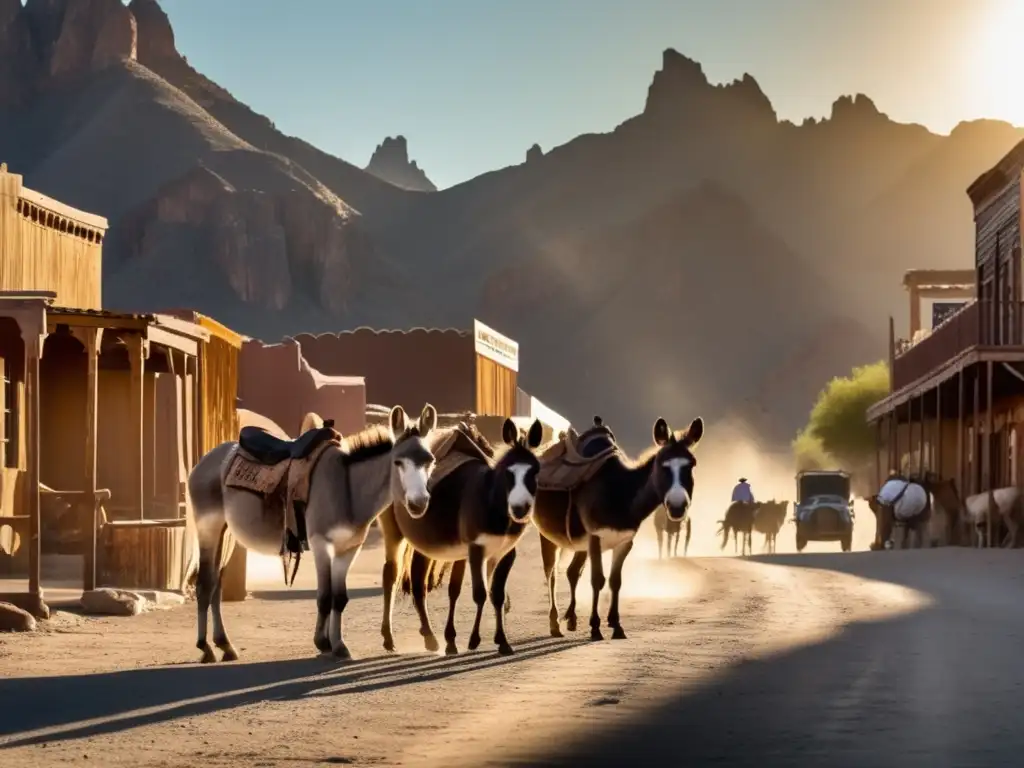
<point>724,528</point>
<point>436,571</point>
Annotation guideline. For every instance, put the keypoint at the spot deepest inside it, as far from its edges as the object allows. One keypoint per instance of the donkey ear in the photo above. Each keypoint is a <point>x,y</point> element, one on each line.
<point>509,432</point>
<point>662,434</point>
<point>694,432</point>
<point>428,420</point>
<point>398,420</point>
<point>535,435</point>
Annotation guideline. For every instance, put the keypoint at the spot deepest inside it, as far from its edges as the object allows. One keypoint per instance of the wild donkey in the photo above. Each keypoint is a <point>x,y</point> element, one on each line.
<point>591,498</point>
<point>669,530</point>
<point>477,513</point>
<point>769,518</point>
<point>240,490</point>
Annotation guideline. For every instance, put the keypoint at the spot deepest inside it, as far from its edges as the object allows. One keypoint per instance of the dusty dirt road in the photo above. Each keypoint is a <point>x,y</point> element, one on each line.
<point>866,659</point>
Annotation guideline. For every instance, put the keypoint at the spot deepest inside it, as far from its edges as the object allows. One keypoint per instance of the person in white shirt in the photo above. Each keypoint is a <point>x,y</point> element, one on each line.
<point>742,492</point>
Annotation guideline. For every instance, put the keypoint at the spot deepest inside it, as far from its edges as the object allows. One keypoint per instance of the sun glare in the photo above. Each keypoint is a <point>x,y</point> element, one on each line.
<point>998,61</point>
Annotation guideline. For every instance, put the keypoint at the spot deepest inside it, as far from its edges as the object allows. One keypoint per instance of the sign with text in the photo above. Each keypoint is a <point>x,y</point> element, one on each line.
<point>494,346</point>
<point>943,310</point>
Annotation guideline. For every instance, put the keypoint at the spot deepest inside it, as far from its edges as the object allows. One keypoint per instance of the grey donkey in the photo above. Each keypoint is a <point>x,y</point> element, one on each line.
<point>349,486</point>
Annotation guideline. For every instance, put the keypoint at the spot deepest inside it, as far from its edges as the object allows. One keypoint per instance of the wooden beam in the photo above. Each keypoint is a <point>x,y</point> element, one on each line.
<point>938,438</point>
<point>125,323</point>
<point>960,433</point>
<point>172,340</point>
<point>138,351</point>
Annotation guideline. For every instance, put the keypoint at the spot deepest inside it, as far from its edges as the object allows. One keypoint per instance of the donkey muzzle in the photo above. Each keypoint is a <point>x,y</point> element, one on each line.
<point>417,506</point>
<point>520,513</point>
<point>677,512</point>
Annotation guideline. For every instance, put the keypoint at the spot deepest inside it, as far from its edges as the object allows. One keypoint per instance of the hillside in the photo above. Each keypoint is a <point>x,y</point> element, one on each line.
<point>703,256</point>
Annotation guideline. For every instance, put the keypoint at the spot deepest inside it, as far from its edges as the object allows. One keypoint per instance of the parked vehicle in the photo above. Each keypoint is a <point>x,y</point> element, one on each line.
<point>823,510</point>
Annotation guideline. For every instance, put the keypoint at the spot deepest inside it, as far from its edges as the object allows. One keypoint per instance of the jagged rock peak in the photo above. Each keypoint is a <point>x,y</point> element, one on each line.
<point>534,153</point>
<point>390,162</point>
<point>856,107</point>
<point>681,85</point>
<point>156,36</point>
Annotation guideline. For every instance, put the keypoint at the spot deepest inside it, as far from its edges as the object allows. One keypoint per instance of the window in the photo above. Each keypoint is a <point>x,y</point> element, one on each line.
<point>10,437</point>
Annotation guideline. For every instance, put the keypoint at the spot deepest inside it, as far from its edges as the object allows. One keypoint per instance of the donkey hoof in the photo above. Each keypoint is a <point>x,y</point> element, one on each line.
<point>504,649</point>
<point>208,656</point>
<point>450,649</point>
<point>389,644</point>
<point>431,644</point>
<point>341,651</point>
<point>570,623</point>
<point>322,643</point>
<point>618,633</point>
<point>556,631</point>
<point>474,641</point>
<point>595,634</point>
<point>229,653</point>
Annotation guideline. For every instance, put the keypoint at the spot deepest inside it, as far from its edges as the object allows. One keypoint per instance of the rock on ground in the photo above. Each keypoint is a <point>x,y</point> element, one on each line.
<point>113,602</point>
<point>14,619</point>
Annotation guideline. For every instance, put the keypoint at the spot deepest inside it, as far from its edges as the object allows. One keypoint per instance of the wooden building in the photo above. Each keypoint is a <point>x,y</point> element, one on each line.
<point>104,413</point>
<point>458,371</point>
<point>956,399</point>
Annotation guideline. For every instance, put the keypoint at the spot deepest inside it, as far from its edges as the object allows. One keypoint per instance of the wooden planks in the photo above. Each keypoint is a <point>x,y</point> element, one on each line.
<point>142,554</point>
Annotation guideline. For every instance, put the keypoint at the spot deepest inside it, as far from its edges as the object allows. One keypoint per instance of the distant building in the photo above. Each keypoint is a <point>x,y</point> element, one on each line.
<point>957,387</point>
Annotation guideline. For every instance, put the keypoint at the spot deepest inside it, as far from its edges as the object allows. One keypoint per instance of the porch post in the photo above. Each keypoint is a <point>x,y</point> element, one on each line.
<point>878,454</point>
<point>938,437</point>
<point>960,431</point>
<point>138,351</point>
<point>987,448</point>
<point>33,335</point>
<point>976,436</point>
<point>93,339</point>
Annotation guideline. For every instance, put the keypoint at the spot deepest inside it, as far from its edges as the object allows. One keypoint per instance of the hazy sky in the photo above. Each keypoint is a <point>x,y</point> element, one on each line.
<point>473,83</point>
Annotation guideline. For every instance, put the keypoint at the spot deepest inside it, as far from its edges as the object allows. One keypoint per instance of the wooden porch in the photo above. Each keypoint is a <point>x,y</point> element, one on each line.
<point>100,413</point>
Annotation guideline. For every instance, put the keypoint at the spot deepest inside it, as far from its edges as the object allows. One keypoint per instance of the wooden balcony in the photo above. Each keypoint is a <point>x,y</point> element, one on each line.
<point>978,324</point>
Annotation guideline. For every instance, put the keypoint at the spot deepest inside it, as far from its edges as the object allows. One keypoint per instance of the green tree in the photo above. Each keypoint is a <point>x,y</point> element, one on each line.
<point>837,432</point>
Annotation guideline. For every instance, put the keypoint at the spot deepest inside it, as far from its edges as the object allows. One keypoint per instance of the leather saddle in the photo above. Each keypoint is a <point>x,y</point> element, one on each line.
<point>593,441</point>
<point>269,449</point>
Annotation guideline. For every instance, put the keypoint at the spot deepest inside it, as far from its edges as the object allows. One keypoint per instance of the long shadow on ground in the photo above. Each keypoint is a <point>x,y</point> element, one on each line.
<point>942,686</point>
<point>88,705</point>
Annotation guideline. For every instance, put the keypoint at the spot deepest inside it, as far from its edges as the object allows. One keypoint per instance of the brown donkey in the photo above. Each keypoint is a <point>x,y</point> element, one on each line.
<point>603,507</point>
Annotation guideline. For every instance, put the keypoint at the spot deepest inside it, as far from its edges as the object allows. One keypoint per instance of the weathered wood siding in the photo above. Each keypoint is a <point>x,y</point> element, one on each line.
<point>219,366</point>
<point>47,246</point>
<point>495,388</point>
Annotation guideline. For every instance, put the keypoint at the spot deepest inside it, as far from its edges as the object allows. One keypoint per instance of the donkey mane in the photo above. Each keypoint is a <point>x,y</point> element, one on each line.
<point>374,441</point>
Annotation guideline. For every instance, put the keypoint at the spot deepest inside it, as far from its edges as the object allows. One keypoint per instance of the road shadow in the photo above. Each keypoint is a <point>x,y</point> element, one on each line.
<point>310,594</point>
<point>79,706</point>
<point>941,685</point>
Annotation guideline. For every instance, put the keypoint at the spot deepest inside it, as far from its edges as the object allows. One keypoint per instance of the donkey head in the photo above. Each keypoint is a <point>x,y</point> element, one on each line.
<point>673,466</point>
<point>516,472</point>
<point>412,460</point>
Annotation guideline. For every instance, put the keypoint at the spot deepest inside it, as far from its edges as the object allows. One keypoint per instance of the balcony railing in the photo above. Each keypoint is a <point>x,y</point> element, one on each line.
<point>980,323</point>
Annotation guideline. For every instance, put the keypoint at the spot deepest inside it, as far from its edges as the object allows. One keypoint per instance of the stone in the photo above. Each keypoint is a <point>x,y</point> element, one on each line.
<point>390,162</point>
<point>160,599</point>
<point>14,619</point>
<point>112,602</point>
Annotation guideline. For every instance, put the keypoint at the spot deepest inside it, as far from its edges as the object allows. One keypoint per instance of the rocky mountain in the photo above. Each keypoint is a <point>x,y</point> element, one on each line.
<point>703,256</point>
<point>390,162</point>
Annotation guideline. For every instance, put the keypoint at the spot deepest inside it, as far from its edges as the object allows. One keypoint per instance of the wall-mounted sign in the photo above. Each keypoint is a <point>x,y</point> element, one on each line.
<point>494,346</point>
<point>943,310</point>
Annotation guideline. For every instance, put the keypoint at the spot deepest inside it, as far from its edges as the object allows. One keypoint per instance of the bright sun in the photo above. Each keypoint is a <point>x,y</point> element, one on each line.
<point>998,61</point>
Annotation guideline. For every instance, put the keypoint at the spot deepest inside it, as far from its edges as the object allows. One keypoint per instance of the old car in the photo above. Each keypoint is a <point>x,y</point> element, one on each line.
<point>823,510</point>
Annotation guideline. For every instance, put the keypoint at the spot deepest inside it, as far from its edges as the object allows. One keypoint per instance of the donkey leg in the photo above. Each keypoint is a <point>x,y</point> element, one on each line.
<point>207,579</point>
<point>549,557</point>
<point>615,583</point>
<point>573,573</point>
<point>340,564</point>
<point>389,576</point>
<point>501,572</point>
<point>686,544</point>
<point>419,572</point>
<point>324,599</point>
<point>597,582</point>
<point>661,535</point>
<point>479,582</point>
<point>455,580</point>
<point>220,634</point>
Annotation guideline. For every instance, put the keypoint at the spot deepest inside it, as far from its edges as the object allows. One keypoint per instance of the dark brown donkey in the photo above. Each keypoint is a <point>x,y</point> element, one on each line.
<point>739,520</point>
<point>769,519</point>
<point>478,510</point>
<point>591,498</point>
